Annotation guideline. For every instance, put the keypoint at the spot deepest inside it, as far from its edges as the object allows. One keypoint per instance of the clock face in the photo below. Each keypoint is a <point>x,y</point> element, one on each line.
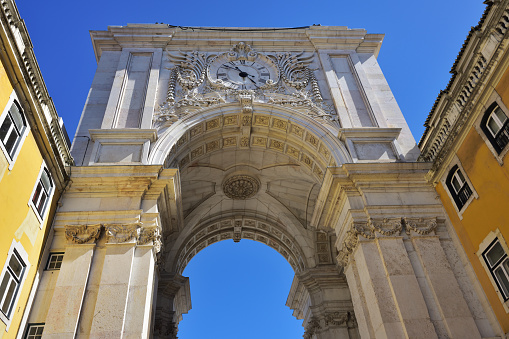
<point>243,74</point>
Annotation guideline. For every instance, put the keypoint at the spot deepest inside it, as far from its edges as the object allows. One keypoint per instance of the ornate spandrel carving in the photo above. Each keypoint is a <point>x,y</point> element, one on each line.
<point>122,233</point>
<point>292,83</point>
<point>82,234</point>
<point>421,226</point>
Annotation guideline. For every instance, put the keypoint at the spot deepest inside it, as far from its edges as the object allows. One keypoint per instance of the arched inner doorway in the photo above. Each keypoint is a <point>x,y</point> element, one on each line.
<point>253,175</point>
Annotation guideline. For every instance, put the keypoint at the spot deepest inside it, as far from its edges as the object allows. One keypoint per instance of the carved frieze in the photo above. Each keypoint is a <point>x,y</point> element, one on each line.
<point>386,226</point>
<point>421,226</point>
<point>82,234</point>
<point>337,318</point>
<point>115,233</point>
<point>199,80</point>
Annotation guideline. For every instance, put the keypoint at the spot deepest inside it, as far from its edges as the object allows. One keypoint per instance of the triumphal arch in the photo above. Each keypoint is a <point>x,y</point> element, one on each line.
<point>288,137</point>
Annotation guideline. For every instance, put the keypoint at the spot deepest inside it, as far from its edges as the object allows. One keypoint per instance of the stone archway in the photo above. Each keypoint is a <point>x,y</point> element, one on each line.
<point>322,155</point>
<point>254,175</point>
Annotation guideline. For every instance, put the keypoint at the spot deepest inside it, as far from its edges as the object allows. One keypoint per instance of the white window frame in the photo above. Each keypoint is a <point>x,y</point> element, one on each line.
<point>458,174</point>
<point>26,336</point>
<point>42,217</point>
<point>474,195</point>
<point>494,98</point>
<point>497,121</point>
<point>485,244</point>
<point>13,97</point>
<point>48,262</point>
<point>24,256</point>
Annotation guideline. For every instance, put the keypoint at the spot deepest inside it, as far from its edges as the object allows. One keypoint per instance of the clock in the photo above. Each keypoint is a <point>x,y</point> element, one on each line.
<point>243,74</point>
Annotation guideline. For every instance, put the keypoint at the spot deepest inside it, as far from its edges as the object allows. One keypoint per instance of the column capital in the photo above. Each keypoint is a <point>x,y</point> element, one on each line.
<point>328,320</point>
<point>376,228</point>
<point>121,233</point>
<point>82,234</point>
<point>134,233</point>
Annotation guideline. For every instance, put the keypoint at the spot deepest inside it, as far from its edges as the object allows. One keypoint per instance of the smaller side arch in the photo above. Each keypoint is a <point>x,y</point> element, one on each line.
<point>263,231</point>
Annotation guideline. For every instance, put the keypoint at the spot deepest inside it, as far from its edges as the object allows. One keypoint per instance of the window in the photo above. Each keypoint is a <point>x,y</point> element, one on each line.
<point>12,129</point>
<point>55,261</point>
<point>10,282</point>
<point>458,187</point>
<point>498,264</point>
<point>495,126</point>
<point>34,331</point>
<point>42,192</point>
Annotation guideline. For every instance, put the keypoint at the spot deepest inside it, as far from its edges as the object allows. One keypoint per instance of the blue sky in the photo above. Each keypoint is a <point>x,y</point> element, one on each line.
<point>249,282</point>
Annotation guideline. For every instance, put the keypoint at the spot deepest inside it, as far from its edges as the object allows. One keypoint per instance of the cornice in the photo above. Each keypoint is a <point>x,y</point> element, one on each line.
<point>131,180</point>
<point>303,38</point>
<point>20,62</point>
<point>480,60</point>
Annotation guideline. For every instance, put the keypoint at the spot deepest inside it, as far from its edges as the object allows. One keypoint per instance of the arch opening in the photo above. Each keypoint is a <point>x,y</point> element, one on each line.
<point>247,284</point>
<point>236,229</point>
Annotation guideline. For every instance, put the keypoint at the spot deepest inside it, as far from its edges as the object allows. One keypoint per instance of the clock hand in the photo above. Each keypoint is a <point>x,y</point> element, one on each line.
<point>241,72</point>
<point>226,66</point>
<point>253,82</point>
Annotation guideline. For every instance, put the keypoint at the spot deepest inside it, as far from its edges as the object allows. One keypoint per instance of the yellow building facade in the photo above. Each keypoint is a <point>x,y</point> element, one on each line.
<point>466,138</point>
<point>34,153</point>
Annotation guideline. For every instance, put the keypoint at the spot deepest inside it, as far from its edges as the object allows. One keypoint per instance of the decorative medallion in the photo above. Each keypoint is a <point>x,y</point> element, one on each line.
<point>240,187</point>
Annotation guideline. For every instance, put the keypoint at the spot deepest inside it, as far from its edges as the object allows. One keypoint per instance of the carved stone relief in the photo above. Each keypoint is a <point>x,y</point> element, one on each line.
<point>241,187</point>
<point>385,227</point>
<point>121,233</point>
<point>82,234</point>
<point>193,84</point>
<point>115,233</point>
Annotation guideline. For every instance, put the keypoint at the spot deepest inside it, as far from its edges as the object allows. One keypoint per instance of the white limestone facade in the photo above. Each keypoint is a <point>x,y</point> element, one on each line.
<point>289,137</point>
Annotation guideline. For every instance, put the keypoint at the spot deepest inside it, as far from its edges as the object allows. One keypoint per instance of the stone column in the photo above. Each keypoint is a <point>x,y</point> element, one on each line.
<point>173,300</point>
<point>141,286</point>
<point>388,299</point>
<point>66,304</point>
<point>124,298</point>
<point>398,292</point>
<point>454,312</point>
<point>111,304</point>
<point>320,296</point>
